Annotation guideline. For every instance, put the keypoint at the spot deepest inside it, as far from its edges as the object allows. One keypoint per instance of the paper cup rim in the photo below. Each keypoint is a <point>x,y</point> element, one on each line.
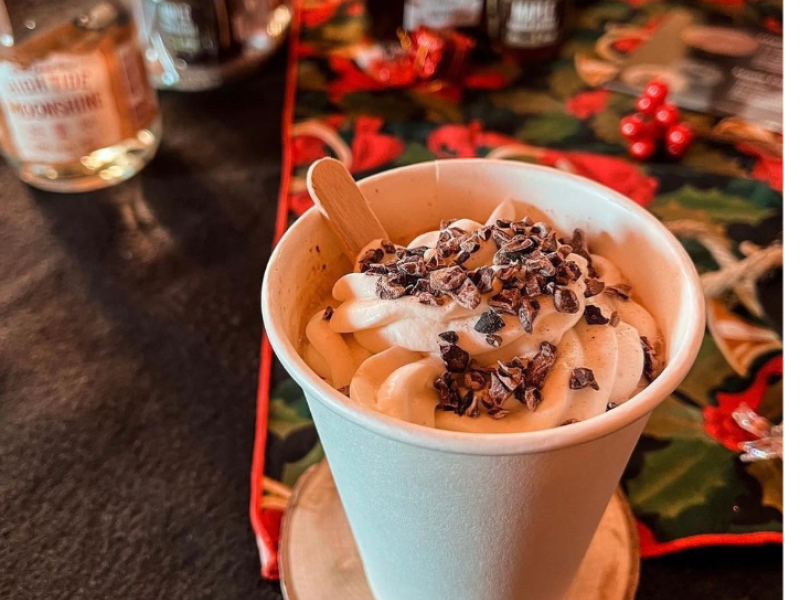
<point>529,442</point>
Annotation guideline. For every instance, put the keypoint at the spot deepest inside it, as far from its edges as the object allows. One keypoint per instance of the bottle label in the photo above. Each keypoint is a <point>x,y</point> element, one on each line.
<point>177,27</point>
<point>532,23</point>
<point>141,97</point>
<point>60,108</point>
<point>439,14</point>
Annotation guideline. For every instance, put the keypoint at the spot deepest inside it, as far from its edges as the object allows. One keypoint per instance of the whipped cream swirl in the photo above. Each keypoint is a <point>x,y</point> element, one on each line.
<point>457,348</point>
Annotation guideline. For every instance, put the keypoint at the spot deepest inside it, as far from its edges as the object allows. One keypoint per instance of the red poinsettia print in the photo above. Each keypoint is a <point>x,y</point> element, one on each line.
<point>768,167</point>
<point>464,141</point>
<point>319,13</point>
<point>618,174</point>
<point>300,202</point>
<point>586,104</point>
<point>371,148</point>
<point>306,149</point>
<point>350,79</point>
<point>718,420</point>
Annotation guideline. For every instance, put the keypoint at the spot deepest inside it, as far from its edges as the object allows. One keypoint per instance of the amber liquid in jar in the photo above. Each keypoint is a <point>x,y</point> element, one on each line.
<point>529,30</point>
<point>77,113</point>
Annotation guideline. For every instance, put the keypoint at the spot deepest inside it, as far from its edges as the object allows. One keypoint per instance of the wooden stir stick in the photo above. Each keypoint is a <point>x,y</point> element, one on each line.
<point>342,203</point>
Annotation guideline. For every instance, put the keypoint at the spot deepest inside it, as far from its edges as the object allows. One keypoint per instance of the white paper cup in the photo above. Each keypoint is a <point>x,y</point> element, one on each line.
<point>441,515</point>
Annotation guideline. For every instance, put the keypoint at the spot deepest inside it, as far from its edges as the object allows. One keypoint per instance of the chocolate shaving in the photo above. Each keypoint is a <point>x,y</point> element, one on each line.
<point>448,279</point>
<point>489,322</point>
<point>565,300</point>
<point>620,290</point>
<point>528,310</point>
<point>455,358</point>
<point>326,316</point>
<point>582,378</point>
<point>594,316</point>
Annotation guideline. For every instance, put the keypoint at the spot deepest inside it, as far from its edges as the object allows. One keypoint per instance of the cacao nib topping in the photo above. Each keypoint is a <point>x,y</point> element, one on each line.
<point>483,278</point>
<point>418,251</point>
<point>388,247</point>
<point>412,265</point>
<point>594,316</point>
<point>489,322</point>
<point>540,365</point>
<point>500,237</point>
<point>611,406</point>
<point>345,390</point>
<point>565,300</point>
<point>448,337</point>
<point>391,287</point>
<point>370,256</point>
<point>475,380</point>
<point>651,366</point>
<point>468,295</point>
<point>567,273</point>
<point>455,358</point>
<point>498,391</point>
<point>569,422</point>
<point>448,279</point>
<point>582,378</point>
<point>484,233</point>
<point>376,269</point>
<point>445,223</point>
<point>507,301</point>
<point>421,286</point>
<point>447,387</point>
<point>530,397</point>
<point>527,312</point>
<point>430,300</point>
<point>494,340</point>
<point>541,229</point>
<point>461,258</point>
<point>593,287</point>
<point>327,314</point>
<point>621,290</point>
<point>497,413</point>
<point>614,319</point>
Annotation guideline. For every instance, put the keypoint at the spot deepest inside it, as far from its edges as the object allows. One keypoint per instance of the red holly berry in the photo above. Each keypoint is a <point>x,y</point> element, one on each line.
<point>657,91</point>
<point>667,115</point>
<point>646,105</point>
<point>632,127</point>
<point>680,135</point>
<point>642,149</point>
<point>679,138</point>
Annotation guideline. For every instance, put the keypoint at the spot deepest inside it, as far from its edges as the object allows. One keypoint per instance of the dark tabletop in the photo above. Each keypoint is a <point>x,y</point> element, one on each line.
<point>129,339</point>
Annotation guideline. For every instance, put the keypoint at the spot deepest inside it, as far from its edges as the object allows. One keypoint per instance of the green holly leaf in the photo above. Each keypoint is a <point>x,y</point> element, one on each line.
<point>708,372</point>
<point>565,82</point>
<point>711,205</point>
<point>687,473</point>
<point>392,106</point>
<point>414,153</point>
<point>605,125</point>
<point>674,419</point>
<point>293,471</point>
<point>437,109</point>
<point>288,409</point>
<point>527,102</point>
<point>549,129</point>
<point>594,17</point>
<point>309,77</point>
<point>769,474</point>
<point>705,158</point>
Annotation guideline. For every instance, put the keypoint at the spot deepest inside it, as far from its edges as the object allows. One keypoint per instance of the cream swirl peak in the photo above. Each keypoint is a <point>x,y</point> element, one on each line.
<point>499,327</point>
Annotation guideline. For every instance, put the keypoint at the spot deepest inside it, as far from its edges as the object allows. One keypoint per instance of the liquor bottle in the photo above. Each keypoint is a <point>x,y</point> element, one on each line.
<point>201,44</point>
<point>390,15</point>
<point>76,111</point>
<point>530,30</point>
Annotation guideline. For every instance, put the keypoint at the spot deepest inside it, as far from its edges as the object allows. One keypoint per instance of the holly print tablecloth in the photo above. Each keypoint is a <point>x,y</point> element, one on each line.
<point>685,482</point>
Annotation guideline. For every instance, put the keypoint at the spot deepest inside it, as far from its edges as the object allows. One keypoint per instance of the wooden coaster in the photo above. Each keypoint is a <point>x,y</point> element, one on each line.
<point>318,554</point>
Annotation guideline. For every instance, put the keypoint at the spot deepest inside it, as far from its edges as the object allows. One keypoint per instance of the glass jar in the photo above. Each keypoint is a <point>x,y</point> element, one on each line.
<point>529,30</point>
<point>76,109</point>
<point>200,44</point>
